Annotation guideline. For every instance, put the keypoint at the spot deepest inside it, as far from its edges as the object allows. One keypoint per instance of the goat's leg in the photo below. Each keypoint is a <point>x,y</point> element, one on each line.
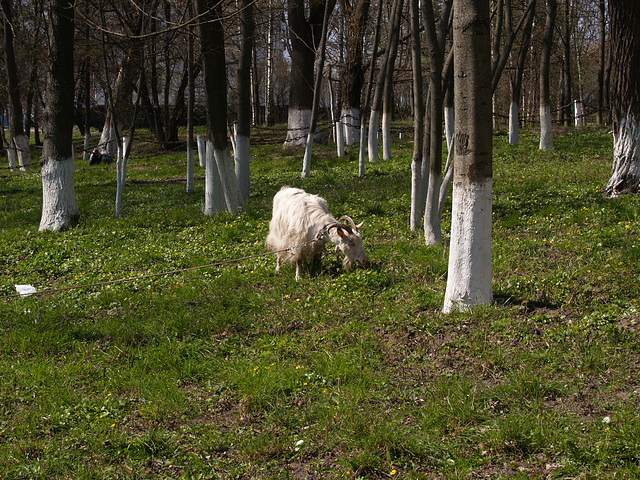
<point>278,262</point>
<point>298,269</point>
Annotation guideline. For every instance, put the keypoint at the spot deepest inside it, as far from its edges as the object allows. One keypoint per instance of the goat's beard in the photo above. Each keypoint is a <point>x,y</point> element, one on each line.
<point>348,263</point>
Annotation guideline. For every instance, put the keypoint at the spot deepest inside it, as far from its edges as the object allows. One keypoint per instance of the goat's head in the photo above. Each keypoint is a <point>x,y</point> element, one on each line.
<point>349,242</point>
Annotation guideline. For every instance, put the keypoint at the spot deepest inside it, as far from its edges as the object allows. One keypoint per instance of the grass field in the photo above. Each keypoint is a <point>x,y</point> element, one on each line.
<point>240,372</point>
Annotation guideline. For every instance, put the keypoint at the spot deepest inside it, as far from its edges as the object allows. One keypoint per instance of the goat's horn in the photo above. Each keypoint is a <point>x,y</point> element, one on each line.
<point>338,225</point>
<point>350,220</point>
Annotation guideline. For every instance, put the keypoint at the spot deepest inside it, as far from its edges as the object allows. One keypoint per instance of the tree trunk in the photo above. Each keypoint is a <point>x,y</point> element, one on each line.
<point>18,140</point>
<point>305,38</point>
<point>501,57</point>
<point>387,104</point>
<point>417,180</point>
<point>367,93</point>
<point>268,104</point>
<point>566,65</point>
<point>374,116</point>
<point>625,96</point>
<point>516,79</point>
<point>432,228</point>
<point>244,97</point>
<point>87,110</point>
<point>601,64</point>
<point>215,81</point>
<point>449,129</point>
<point>469,277</point>
<point>306,164</point>
<point>119,108</point>
<point>546,133</point>
<point>190,109</point>
<point>356,15</point>
<point>59,210</point>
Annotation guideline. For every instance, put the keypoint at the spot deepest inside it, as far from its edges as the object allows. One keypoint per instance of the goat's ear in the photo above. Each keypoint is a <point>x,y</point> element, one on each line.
<point>342,232</point>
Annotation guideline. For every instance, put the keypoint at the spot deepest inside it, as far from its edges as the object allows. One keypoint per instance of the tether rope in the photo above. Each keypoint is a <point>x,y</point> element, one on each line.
<point>159,274</point>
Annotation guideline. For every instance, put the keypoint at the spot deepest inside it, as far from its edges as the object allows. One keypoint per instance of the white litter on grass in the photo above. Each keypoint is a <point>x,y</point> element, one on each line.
<point>25,290</point>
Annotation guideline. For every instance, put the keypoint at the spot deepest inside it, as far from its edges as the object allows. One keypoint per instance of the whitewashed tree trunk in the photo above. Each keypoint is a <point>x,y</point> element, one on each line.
<point>469,280</point>
<point>386,136</point>
<point>268,104</point>
<point>374,118</point>
<point>242,161</point>
<point>351,120</point>
<point>108,141</point>
<point>23,154</point>
<point>299,121</point>
<point>449,130</point>
<point>230,188</point>
<point>446,181</point>
<point>190,183</point>
<point>361,153</point>
<point>546,132</point>
<point>432,230</point>
<point>625,97</point>
<point>233,135</point>
<point>306,161</point>
<point>11,156</point>
<point>419,175</point>
<point>121,172</point>
<point>579,113</point>
<point>513,123</point>
<point>59,209</point>
<point>469,271</point>
<point>87,143</point>
<point>202,150</point>
<point>340,130</point>
<point>625,175</point>
<point>213,197</point>
<point>417,186</point>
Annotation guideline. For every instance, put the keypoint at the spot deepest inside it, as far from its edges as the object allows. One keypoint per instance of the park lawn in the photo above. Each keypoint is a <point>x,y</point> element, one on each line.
<point>237,371</point>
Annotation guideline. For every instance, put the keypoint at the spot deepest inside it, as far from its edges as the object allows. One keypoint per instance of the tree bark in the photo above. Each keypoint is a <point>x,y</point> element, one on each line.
<point>306,164</point>
<point>191,88</point>
<point>356,15</point>
<point>500,57</point>
<point>601,63</point>
<point>516,79</point>
<point>546,133</point>
<point>118,97</point>
<point>244,97</point>
<point>567,100</point>
<point>305,38</point>
<point>376,103</point>
<point>435,42</point>
<point>367,94</point>
<point>18,139</point>
<point>417,180</point>
<point>59,210</point>
<point>469,277</point>
<point>387,97</point>
<point>215,80</point>
<point>625,96</point>
<point>268,104</point>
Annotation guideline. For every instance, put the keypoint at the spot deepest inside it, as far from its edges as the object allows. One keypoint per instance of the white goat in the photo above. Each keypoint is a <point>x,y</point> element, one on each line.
<point>302,218</point>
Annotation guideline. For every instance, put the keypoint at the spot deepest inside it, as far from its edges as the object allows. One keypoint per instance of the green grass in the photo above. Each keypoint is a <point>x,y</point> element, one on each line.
<point>240,372</point>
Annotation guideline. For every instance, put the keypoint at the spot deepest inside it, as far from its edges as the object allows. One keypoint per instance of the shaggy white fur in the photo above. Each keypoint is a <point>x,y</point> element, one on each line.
<point>302,218</point>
